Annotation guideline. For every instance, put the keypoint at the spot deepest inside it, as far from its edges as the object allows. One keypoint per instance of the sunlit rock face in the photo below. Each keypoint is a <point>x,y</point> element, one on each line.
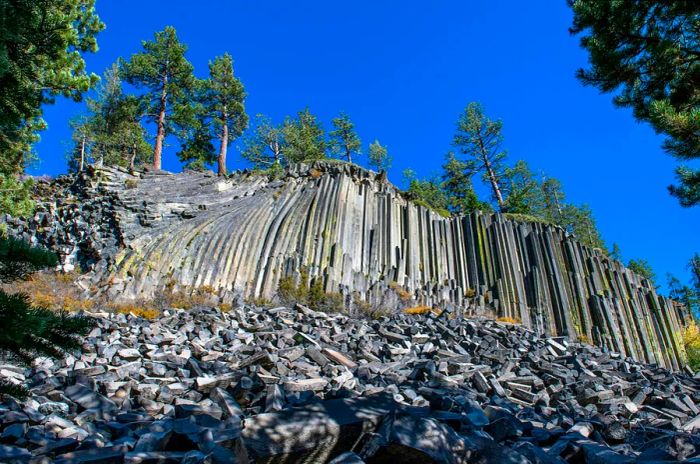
<point>356,232</point>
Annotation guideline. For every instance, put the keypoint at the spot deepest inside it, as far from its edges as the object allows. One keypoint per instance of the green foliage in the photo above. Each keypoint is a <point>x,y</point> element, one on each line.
<point>111,133</point>
<point>520,217</point>
<point>304,138</point>
<point>687,295</point>
<point>479,139</point>
<point>41,46</point>
<point>167,78</point>
<point>379,156</point>
<point>344,141</point>
<point>197,150</point>
<point>263,146</point>
<point>579,221</point>
<point>552,200</point>
<point>19,259</point>
<point>15,196</point>
<point>427,193</point>
<point>642,268</point>
<point>523,192</point>
<point>647,52</point>
<point>28,332</point>
<point>688,190</point>
<point>457,187</point>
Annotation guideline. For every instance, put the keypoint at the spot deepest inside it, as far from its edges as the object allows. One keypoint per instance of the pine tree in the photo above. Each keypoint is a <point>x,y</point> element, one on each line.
<point>344,141</point>
<point>304,138</point>
<point>426,192</point>
<point>480,139</point>
<point>28,332</point>
<point>554,200</point>
<point>579,221</point>
<point>379,156</point>
<point>111,133</point>
<point>642,268</point>
<point>457,185</point>
<point>197,150</point>
<point>647,52</point>
<point>264,146</point>
<point>684,294</point>
<point>223,100</point>
<point>41,47</point>
<point>523,192</point>
<point>167,77</point>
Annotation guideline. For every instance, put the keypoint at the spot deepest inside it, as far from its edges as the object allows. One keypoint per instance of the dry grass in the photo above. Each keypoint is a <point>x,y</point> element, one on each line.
<point>418,310</point>
<point>509,320</point>
<point>470,293</point>
<point>145,310</point>
<point>403,294</point>
<point>225,307</point>
<point>53,290</point>
<point>583,338</point>
<point>315,173</point>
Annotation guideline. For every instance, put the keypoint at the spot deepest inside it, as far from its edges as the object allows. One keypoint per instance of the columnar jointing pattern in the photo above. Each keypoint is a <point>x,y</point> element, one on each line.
<point>354,230</point>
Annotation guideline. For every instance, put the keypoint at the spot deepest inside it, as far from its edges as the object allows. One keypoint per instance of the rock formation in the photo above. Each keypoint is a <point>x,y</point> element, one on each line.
<point>138,233</point>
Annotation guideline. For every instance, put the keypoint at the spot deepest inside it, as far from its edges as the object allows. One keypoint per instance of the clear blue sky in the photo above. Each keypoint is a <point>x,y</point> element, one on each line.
<point>404,71</point>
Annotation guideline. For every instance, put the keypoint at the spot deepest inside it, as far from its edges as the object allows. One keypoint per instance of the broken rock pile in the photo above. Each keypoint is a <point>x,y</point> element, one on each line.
<point>294,385</point>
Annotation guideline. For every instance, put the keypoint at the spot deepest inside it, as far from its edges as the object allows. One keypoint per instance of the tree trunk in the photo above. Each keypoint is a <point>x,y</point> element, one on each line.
<point>132,160</point>
<point>347,151</point>
<point>224,146</point>
<point>82,155</point>
<point>494,184</point>
<point>160,135</point>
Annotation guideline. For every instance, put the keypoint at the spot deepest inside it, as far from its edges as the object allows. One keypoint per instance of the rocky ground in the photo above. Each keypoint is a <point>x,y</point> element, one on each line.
<point>292,385</point>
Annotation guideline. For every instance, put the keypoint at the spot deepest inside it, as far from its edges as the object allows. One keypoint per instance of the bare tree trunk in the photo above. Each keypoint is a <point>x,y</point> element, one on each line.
<point>132,159</point>
<point>494,184</point>
<point>224,146</point>
<point>347,151</point>
<point>160,135</point>
<point>82,155</point>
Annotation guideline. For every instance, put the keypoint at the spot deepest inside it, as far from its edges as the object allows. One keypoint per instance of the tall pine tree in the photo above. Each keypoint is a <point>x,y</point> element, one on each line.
<point>344,141</point>
<point>223,103</point>
<point>379,156</point>
<point>163,71</point>
<point>479,139</point>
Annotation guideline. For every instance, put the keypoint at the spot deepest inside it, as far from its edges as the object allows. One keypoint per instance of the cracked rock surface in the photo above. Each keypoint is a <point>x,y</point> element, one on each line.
<point>292,385</point>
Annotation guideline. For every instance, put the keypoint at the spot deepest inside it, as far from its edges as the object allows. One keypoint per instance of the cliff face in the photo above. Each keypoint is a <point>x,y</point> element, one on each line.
<point>357,233</point>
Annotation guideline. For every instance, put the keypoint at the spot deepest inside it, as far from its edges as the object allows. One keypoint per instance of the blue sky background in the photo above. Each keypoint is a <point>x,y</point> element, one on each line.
<point>404,71</point>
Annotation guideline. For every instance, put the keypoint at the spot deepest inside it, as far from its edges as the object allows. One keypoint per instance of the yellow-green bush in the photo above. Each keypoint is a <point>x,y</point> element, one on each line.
<point>691,341</point>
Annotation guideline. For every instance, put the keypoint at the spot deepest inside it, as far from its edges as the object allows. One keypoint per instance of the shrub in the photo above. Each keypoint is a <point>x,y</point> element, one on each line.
<point>470,293</point>
<point>225,307</point>
<point>315,173</point>
<point>690,335</point>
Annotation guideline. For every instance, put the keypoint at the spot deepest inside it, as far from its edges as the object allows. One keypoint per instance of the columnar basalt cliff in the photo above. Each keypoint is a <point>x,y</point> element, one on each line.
<point>138,233</point>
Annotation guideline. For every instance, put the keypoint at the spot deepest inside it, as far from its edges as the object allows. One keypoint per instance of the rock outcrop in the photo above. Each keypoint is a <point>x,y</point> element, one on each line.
<point>348,227</point>
<point>291,385</point>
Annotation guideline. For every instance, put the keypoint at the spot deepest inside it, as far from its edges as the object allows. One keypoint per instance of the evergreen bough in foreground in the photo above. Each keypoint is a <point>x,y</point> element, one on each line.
<point>27,331</point>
